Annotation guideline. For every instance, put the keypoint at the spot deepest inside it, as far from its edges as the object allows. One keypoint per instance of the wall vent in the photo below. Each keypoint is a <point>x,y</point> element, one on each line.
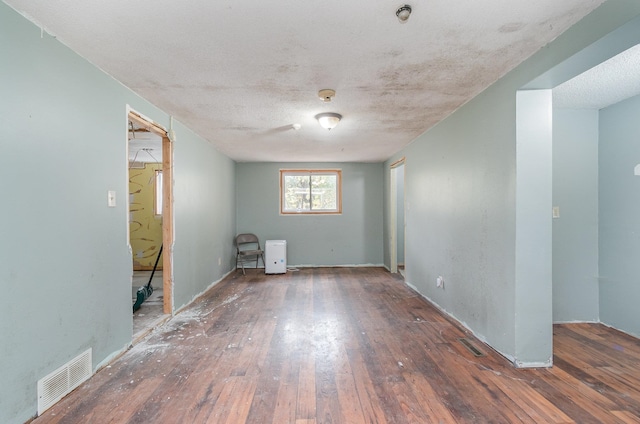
<point>62,381</point>
<point>471,347</point>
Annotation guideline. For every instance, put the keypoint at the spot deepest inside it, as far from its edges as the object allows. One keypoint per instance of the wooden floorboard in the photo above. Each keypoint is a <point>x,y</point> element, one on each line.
<point>347,345</point>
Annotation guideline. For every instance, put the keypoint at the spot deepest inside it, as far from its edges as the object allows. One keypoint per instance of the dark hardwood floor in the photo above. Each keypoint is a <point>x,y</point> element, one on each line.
<point>347,345</point>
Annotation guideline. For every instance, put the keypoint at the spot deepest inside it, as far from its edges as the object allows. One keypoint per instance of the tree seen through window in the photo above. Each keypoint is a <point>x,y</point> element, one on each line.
<point>310,191</point>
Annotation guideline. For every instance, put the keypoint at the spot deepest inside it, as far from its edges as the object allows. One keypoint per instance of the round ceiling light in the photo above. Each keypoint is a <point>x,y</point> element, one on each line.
<point>328,120</point>
<point>403,13</point>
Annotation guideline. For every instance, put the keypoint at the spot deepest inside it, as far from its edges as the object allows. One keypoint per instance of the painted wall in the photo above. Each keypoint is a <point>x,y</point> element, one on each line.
<point>400,213</point>
<point>533,236</point>
<point>352,238</point>
<point>460,223</point>
<point>620,216</point>
<point>464,212</point>
<point>575,232</point>
<point>205,216</point>
<point>145,226</point>
<point>65,264</point>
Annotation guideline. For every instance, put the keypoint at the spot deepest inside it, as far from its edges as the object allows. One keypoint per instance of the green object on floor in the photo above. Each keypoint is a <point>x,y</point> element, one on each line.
<point>145,292</point>
<point>142,294</point>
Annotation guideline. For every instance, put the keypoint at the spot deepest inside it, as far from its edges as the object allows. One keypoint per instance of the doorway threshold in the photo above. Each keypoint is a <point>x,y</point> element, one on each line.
<point>150,315</point>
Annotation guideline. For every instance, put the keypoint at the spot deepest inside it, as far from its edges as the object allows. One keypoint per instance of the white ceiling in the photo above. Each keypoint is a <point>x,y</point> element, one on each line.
<point>240,74</point>
<point>610,82</point>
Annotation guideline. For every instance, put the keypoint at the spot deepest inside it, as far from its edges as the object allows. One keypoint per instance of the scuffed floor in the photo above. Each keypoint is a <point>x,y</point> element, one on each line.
<point>150,313</point>
<point>347,345</point>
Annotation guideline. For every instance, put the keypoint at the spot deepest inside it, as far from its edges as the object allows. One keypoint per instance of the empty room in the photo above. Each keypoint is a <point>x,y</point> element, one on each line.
<point>444,196</point>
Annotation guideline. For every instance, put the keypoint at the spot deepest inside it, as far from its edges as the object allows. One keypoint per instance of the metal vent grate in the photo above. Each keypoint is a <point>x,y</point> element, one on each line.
<point>59,383</point>
<point>471,347</point>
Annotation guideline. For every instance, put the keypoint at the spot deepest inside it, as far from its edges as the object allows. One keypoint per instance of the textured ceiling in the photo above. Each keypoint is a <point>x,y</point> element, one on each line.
<point>610,82</point>
<point>241,74</point>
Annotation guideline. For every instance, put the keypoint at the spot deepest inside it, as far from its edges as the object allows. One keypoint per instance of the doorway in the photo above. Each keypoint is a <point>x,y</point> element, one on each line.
<point>574,213</point>
<point>397,215</point>
<point>150,219</point>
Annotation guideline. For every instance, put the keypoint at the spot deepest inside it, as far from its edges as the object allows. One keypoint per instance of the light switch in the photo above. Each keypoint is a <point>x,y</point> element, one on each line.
<point>556,212</point>
<point>111,199</point>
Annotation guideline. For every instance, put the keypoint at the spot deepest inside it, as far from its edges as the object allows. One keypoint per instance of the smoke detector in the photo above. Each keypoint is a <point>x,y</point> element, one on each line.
<point>326,94</point>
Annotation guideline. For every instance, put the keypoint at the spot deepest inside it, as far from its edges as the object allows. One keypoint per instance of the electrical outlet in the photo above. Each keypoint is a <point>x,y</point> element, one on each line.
<point>219,261</point>
<point>440,282</point>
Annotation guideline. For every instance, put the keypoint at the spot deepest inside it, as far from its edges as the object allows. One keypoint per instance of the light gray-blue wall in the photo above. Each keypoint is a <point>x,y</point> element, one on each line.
<point>467,200</point>
<point>65,265</point>
<point>204,216</point>
<point>400,212</point>
<point>620,216</point>
<point>594,239</point>
<point>352,238</point>
<point>575,232</point>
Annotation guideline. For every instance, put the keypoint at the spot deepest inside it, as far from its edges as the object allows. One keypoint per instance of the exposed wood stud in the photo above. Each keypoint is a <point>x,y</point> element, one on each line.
<point>167,225</point>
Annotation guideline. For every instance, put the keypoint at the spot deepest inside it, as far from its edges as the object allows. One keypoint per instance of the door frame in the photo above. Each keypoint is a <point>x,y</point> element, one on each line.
<point>167,205</point>
<point>393,215</point>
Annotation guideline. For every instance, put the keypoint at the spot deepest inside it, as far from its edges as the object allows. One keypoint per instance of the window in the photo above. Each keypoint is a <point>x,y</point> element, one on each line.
<point>157,204</point>
<point>310,191</point>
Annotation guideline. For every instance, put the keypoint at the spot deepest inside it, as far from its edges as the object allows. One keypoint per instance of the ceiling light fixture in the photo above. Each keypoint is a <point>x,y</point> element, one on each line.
<point>403,13</point>
<point>328,120</point>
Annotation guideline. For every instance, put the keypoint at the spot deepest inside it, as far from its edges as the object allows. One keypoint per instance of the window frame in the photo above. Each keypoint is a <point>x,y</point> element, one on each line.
<point>310,172</point>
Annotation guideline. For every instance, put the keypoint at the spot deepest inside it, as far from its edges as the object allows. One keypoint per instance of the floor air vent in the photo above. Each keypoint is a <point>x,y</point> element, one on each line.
<point>56,385</point>
<point>471,347</point>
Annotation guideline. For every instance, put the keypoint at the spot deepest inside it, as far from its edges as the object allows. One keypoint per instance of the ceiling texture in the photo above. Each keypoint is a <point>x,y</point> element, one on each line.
<point>608,83</point>
<point>241,74</point>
